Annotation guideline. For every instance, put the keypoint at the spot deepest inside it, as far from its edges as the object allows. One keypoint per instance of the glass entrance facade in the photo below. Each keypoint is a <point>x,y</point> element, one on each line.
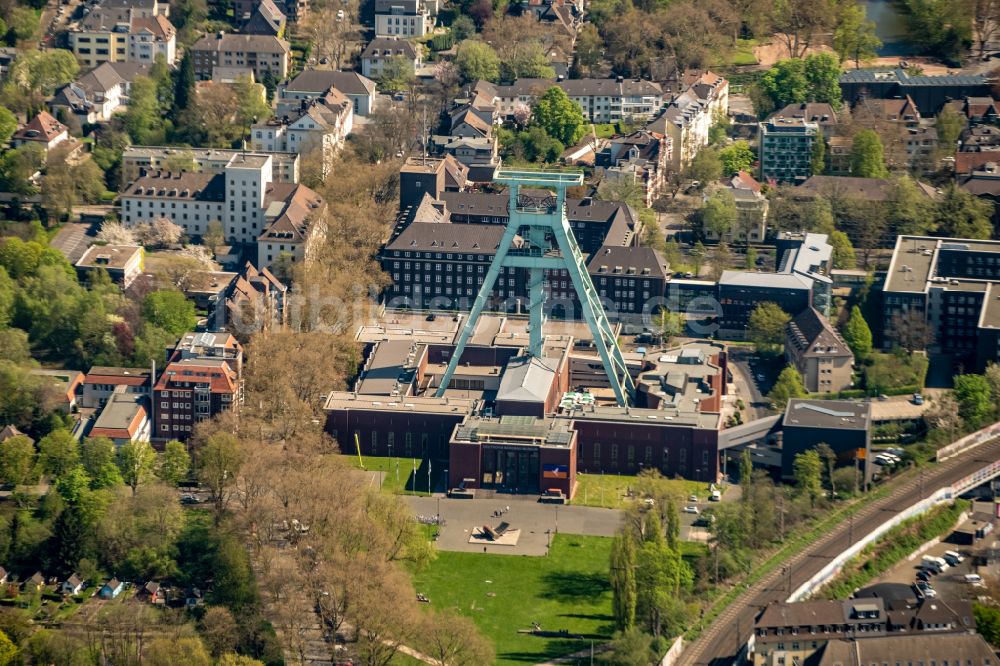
<point>509,468</point>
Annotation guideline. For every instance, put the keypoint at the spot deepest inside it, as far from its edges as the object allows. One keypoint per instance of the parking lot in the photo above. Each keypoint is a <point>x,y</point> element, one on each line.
<point>951,583</point>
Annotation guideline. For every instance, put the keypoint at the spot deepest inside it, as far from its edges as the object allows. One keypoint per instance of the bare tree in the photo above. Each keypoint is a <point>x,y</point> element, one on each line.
<point>985,22</point>
<point>910,330</point>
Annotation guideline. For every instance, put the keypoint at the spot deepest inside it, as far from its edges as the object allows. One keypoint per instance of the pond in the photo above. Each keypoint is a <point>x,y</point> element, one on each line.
<point>890,26</point>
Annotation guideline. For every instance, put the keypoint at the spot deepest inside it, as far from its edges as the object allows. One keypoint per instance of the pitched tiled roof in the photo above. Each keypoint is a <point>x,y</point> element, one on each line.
<point>812,334</point>
<point>318,81</point>
<point>43,127</point>
<point>244,43</point>
<point>386,47</point>
<point>444,237</point>
<point>185,184</point>
<point>299,207</point>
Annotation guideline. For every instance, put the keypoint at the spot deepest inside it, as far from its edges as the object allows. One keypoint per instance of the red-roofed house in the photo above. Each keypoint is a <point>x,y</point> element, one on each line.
<point>42,130</point>
<point>101,382</point>
<point>192,390</point>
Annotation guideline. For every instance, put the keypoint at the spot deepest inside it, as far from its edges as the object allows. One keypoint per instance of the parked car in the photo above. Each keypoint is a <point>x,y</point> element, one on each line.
<point>918,399</point>
<point>691,509</point>
<point>761,376</point>
<point>716,496</point>
<point>953,557</point>
<point>974,579</point>
<point>693,498</point>
<point>924,576</point>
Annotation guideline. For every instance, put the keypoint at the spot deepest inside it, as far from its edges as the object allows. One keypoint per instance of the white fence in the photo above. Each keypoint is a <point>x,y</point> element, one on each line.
<point>968,442</point>
<point>835,565</point>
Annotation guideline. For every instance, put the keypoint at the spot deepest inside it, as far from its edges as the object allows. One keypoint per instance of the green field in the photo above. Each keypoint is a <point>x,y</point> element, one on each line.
<point>568,589</point>
<point>399,478</point>
<point>611,490</point>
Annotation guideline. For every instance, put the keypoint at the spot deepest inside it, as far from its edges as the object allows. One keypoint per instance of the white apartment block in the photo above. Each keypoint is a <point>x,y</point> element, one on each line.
<point>404,18</point>
<point>690,115</point>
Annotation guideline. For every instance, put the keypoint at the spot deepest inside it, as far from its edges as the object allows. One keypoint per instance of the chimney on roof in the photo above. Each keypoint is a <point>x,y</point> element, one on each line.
<point>220,34</point>
<point>620,80</point>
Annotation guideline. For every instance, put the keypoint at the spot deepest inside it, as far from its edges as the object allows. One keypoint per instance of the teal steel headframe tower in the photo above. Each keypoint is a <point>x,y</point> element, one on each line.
<point>548,243</point>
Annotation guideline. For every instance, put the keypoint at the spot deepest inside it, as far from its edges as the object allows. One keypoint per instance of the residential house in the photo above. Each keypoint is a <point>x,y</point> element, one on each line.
<point>907,141</point>
<point>786,149</point>
<point>383,49</point>
<point>471,123</point>
<point>642,157</point>
<point>267,55</point>
<point>34,584</point>
<point>751,210</point>
<point>65,383</point>
<point>72,585</point>
<point>691,113</point>
<point>320,124</point>
<point>124,418</point>
<point>293,10</point>
<point>868,630</point>
<point>253,210</point>
<point>119,32</point>
<point>313,83</point>
<point>122,263</point>
<point>253,301</point>
<point>814,347</point>
<point>102,382</point>
<point>111,589</point>
<point>406,18</point>
<point>151,592</point>
<point>265,19</point>
<point>977,110</point>
<point>481,155</point>
<point>42,130</point>
<point>135,159</point>
<point>192,390</point>
<point>98,94</point>
<point>9,431</point>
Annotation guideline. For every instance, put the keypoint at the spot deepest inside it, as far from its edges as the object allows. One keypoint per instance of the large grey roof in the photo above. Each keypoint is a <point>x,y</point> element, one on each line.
<point>444,237</point>
<point>244,43</point>
<point>769,280</point>
<point>839,414</point>
<point>527,379</point>
<point>319,81</point>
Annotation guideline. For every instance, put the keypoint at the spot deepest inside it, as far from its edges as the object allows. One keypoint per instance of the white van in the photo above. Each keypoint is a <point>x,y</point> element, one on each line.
<point>935,564</point>
<point>716,496</point>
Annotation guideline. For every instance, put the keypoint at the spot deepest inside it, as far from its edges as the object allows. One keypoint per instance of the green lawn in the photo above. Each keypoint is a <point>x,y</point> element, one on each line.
<point>605,131</point>
<point>611,490</point>
<point>568,589</point>
<point>885,372</point>
<point>399,478</point>
<point>740,55</point>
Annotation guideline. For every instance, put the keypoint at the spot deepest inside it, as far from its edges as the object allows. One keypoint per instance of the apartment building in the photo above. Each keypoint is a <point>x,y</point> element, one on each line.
<point>320,124</point>
<point>192,390</point>
<point>313,83</point>
<point>98,94</point>
<point>691,113</point>
<point>818,352</point>
<point>405,18</point>
<point>601,100</point>
<point>122,263</point>
<point>943,294</point>
<point>119,32</point>
<point>135,159</point>
<point>276,218</point>
<point>382,50</point>
<point>642,158</point>
<point>786,148</point>
<point>267,55</point>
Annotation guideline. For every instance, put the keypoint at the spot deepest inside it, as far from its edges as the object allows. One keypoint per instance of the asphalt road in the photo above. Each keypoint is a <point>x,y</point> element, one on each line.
<point>746,383</point>
<point>720,642</point>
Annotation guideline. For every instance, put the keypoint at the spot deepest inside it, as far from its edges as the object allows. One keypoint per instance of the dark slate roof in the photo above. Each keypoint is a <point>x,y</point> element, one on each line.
<point>199,186</point>
<point>638,259</point>
<point>810,330</point>
<point>319,81</point>
<point>444,237</point>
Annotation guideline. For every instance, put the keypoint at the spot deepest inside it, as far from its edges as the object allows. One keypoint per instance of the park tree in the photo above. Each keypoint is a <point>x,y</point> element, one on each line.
<point>211,117</point>
<point>560,117</point>
<point>35,75</point>
<point>815,78</point>
<point>169,310</point>
<point>396,74</point>
<point>174,463</point>
<point>939,27</point>
<point>721,260</point>
<point>829,459</point>
<point>789,385</point>
<point>867,159</point>
<point>817,160</point>
<point>857,334</point>
<point>854,37</point>
<point>910,212</point>
<point>97,455</point>
<point>453,639</point>
<point>17,460</point>
<point>58,453</point>
<point>136,460</point>
<point>251,102</point>
<point>143,118</point>
<point>910,331</point>
<point>843,251</point>
<point>736,157</point>
<point>476,61</point>
<point>719,213</point>
<point>800,22</point>
<point>766,328</point>
<point>167,651</point>
<point>589,49</point>
<point>961,214</point>
<point>698,255</point>
<point>623,583</point>
<point>974,399</point>
<point>8,125</point>
<point>808,471</point>
<point>948,124</point>
<point>705,166</point>
<point>669,325</point>
<point>218,461</point>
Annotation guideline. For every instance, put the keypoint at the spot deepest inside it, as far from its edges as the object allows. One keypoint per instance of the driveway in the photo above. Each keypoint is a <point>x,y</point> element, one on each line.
<point>747,386</point>
<point>535,521</point>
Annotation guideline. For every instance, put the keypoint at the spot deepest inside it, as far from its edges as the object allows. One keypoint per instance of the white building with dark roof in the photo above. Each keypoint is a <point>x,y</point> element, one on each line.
<point>266,55</point>
<point>382,49</point>
<point>313,83</point>
<point>405,18</point>
<point>601,100</point>
<point>690,114</point>
<point>98,94</point>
